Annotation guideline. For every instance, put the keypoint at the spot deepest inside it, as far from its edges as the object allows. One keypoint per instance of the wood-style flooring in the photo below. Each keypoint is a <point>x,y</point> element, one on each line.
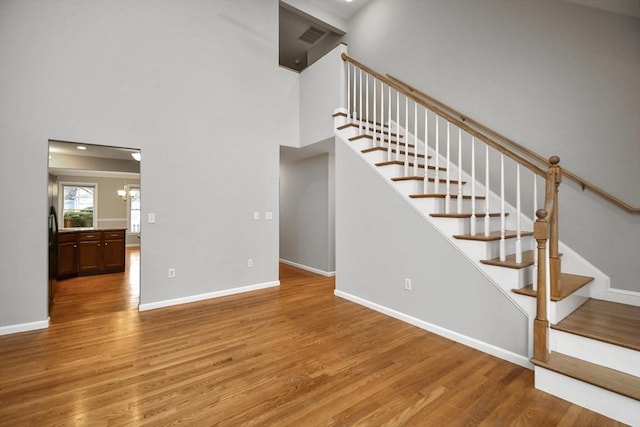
<point>295,355</point>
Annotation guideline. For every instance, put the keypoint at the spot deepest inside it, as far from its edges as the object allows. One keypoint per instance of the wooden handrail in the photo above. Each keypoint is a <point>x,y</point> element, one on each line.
<point>459,123</point>
<point>482,128</point>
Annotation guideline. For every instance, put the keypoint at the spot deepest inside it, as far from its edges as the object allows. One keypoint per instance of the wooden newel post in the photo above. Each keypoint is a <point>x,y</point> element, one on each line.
<point>553,182</point>
<point>541,322</point>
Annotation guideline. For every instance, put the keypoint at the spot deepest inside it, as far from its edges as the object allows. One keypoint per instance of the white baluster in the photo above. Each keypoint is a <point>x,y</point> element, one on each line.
<point>535,252</point>
<point>436,181</point>
<point>389,153</point>
<point>406,136</point>
<point>426,151</point>
<point>459,171</point>
<point>415,139</point>
<point>360,112</point>
<point>366,103</point>
<point>503,254</point>
<point>381,114</point>
<point>473,186</point>
<point>447,197</point>
<point>518,208</point>
<point>348,92</point>
<point>487,218</point>
<point>398,125</point>
<point>375,117</point>
<point>355,81</point>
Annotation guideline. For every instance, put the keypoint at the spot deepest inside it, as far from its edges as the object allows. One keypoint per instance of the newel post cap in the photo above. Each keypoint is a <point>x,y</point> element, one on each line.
<point>541,214</point>
<point>554,160</point>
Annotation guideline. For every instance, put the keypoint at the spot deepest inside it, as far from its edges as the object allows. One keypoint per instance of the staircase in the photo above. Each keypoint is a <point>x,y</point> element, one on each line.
<point>590,354</point>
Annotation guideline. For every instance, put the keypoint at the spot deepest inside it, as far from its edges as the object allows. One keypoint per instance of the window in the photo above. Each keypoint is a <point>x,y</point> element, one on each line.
<point>134,209</point>
<point>79,205</point>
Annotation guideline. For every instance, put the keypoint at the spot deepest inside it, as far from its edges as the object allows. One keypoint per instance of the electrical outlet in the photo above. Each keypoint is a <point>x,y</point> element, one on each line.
<point>172,273</point>
<point>407,284</point>
<point>249,263</point>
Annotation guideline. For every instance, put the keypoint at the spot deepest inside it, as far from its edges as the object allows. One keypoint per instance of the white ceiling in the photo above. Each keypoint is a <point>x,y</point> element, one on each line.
<point>341,8</point>
<point>99,151</point>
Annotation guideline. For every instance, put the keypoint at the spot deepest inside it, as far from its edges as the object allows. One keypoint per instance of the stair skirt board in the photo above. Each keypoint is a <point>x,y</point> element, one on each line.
<point>208,295</point>
<point>309,269</point>
<point>612,405</point>
<point>491,349</point>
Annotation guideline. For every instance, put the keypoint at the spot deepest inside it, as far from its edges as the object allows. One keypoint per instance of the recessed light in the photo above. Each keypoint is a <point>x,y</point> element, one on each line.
<point>81,147</point>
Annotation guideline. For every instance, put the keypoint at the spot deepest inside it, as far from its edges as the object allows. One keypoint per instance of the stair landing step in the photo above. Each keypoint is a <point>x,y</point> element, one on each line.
<point>570,284</point>
<point>610,322</point>
<point>510,261</point>
<point>444,196</point>
<point>599,376</point>
<point>494,235</point>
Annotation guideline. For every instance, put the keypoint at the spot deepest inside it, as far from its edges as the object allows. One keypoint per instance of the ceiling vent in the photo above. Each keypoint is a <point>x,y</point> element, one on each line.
<point>312,35</point>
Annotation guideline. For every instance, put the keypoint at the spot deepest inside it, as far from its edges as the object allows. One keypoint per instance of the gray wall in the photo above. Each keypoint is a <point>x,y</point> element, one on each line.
<point>381,240</point>
<point>557,77</point>
<point>195,85</point>
<point>306,215</point>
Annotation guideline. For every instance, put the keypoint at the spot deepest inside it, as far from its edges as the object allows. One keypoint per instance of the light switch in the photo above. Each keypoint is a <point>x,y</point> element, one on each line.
<point>256,215</point>
<point>268,215</point>
<point>152,218</point>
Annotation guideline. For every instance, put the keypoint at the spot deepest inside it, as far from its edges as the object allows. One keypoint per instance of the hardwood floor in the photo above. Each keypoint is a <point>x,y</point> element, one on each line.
<point>289,356</point>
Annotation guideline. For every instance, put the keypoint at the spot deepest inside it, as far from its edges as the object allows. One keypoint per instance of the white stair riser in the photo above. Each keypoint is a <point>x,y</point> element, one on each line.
<point>612,405</point>
<point>509,278</point>
<point>477,249</point>
<point>360,144</point>
<point>568,305</point>
<point>451,226</point>
<point>437,205</point>
<point>611,356</point>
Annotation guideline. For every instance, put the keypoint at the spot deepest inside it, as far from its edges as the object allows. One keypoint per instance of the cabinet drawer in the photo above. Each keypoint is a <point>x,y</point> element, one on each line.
<point>66,237</point>
<point>113,234</point>
<point>92,235</point>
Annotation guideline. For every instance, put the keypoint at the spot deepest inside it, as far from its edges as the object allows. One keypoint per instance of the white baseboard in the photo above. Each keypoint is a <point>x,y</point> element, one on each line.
<point>307,268</point>
<point>621,296</point>
<point>438,330</point>
<point>24,327</point>
<point>209,295</point>
<point>620,408</point>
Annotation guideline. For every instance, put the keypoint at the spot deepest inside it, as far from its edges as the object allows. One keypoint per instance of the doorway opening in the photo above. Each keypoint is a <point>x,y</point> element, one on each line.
<point>94,200</point>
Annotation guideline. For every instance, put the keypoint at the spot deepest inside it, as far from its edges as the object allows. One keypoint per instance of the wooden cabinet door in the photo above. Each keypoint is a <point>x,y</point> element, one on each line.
<point>67,261</point>
<point>89,256</point>
<point>113,254</point>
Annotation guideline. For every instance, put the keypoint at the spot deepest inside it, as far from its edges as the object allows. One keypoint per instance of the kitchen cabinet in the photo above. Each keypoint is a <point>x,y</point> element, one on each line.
<point>67,255</point>
<point>91,252</point>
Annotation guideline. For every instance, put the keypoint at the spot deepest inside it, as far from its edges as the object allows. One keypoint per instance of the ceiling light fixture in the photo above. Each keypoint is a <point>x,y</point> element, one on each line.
<point>136,155</point>
<point>81,147</point>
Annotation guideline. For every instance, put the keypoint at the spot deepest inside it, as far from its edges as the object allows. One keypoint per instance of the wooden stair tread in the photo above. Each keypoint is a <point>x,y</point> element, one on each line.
<point>442,196</point>
<point>610,322</point>
<point>510,261</point>
<point>420,178</point>
<point>370,127</point>
<point>342,114</point>
<point>600,376</point>
<point>570,284</point>
<point>494,235</point>
<point>390,141</point>
<point>464,215</point>
<point>393,150</point>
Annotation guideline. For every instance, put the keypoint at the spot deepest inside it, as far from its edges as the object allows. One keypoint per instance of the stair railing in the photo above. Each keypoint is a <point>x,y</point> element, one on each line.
<point>374,118</point>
